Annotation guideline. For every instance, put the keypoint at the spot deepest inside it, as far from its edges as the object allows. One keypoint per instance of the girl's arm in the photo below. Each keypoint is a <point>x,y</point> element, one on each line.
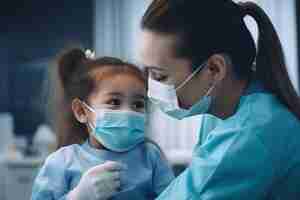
<point>50,183</point>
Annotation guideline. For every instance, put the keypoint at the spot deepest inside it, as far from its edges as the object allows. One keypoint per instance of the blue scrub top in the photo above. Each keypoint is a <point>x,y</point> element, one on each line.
<point>146,176</point>
<point>255,154</point>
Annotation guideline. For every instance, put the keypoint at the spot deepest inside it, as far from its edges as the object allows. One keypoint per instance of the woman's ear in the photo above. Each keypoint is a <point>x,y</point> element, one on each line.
<point>79,111</point>
<point>217,67</point>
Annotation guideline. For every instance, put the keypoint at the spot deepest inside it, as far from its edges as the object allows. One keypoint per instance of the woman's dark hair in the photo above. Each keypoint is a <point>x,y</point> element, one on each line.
<point>78,77</point>
<point>204,28</point>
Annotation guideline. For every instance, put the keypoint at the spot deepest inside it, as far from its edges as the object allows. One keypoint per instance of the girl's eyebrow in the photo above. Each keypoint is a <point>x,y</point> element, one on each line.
<point>140,96</point>
<point>118,94</point>
<point>115,94</point>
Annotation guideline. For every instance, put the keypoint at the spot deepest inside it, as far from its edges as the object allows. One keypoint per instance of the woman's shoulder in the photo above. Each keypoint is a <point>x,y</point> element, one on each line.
<point>269,120</point>
<point>274,112</point>
<point>261,117</point>
<point>265,110</point>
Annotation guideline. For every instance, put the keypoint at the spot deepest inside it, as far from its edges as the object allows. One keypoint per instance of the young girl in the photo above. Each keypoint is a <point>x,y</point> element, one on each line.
<point>103,154</point>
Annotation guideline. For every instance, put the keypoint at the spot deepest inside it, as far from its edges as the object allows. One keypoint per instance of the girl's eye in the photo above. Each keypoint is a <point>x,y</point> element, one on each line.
<point>114,102</point>
<point>139,105</point>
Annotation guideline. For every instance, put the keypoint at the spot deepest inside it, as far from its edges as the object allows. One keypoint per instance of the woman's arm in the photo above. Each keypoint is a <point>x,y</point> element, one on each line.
<point>162,171</point>
<point>232,165</point>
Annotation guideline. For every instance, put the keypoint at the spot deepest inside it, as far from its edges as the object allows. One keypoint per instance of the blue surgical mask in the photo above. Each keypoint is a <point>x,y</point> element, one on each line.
<point>165,97</point>
<point>118,130</point>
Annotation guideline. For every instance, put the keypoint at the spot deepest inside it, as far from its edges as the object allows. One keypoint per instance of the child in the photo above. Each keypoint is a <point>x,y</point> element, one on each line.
<point>103,153</point>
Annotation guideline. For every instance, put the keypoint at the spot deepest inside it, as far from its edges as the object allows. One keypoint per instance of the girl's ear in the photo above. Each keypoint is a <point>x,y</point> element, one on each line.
<point>79,111</point>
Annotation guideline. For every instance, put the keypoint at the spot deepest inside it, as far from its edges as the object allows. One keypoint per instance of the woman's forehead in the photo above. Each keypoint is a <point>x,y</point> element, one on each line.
<point>157,50</point>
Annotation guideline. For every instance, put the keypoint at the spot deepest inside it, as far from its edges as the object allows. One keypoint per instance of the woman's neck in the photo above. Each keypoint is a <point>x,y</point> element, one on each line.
<point>228,101</point>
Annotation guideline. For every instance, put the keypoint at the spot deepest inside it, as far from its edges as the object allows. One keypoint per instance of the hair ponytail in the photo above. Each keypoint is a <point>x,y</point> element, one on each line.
<point>270,62</point>
<point>70,64</point>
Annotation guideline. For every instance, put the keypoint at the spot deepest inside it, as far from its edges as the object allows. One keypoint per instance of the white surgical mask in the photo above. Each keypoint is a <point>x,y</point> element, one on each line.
<point>165,97</point>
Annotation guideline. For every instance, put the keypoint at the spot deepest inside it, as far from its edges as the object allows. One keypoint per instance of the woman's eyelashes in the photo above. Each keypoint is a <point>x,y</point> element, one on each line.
<point>162,78</point>
<point>158,76</point>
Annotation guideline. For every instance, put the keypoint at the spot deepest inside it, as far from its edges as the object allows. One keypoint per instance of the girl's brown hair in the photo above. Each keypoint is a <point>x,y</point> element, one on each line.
<point>209,27</point>
<point>78,77</point>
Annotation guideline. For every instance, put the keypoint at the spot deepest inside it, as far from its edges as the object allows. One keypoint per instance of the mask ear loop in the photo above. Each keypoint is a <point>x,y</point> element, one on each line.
<point>210,89</point>
<point>190,77</point>
<point>88,107</point>
<point>90,125</point>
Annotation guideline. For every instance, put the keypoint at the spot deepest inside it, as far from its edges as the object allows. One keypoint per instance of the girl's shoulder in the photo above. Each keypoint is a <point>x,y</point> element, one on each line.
<point>152,147</point>
<point>153,151</point>
<point>63,156</point>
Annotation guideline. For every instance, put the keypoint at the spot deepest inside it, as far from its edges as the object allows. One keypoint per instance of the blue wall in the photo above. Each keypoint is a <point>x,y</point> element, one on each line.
<point>32,30</point>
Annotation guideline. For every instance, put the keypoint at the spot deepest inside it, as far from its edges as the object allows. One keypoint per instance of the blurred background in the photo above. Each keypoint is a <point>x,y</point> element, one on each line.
<point>31,34</point>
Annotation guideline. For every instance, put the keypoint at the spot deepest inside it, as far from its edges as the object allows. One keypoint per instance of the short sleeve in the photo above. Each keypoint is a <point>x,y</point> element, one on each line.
<point>162,171</point>
<point>50,183</point>
<point>231,164</point>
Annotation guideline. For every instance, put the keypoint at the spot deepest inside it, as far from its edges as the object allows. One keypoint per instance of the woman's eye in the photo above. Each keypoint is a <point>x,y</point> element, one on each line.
<point>162,78</point>
<point>159,76</point>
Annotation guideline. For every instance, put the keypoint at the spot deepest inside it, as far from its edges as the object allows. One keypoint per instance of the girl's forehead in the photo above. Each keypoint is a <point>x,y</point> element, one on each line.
<point>121,83</point>
<point>98,73</point>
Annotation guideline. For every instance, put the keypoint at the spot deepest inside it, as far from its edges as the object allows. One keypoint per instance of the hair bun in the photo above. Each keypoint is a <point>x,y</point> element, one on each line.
<point>68,63</point>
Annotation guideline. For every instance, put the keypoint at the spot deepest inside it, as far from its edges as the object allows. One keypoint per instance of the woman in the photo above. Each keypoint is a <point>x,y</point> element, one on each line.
<point>202,60</point>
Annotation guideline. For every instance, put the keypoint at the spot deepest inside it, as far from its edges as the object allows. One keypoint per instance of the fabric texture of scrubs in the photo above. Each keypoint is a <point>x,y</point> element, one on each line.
<point>255,154</point>
<point>147,173</point>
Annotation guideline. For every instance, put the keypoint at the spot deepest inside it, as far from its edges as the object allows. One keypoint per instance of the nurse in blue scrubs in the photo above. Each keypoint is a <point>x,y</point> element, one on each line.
<point>202,59</point>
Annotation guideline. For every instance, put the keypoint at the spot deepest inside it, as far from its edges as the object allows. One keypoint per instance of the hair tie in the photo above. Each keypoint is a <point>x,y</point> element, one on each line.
<point>89,54</point>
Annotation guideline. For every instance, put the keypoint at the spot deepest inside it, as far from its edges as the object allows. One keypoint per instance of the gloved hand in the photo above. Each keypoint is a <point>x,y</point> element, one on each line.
<point>98,183</point>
